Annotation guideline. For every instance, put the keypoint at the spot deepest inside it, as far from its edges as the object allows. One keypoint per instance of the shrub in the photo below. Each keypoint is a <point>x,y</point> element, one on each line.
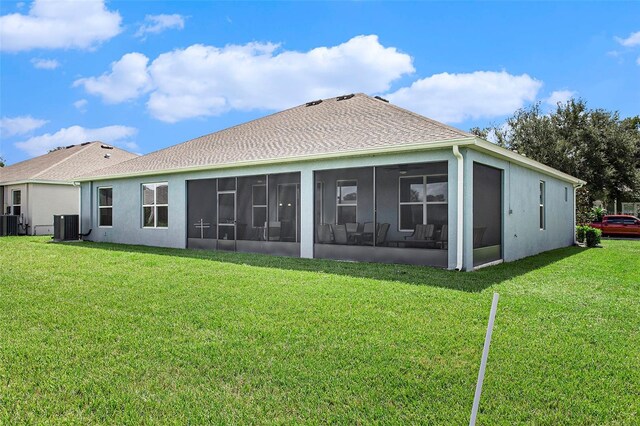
<point>592,236</point>
<point>580,233</point>
<point>597,213</point>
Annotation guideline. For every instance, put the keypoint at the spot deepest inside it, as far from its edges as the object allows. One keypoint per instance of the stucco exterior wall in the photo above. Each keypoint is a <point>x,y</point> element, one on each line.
<point>521,234</point>
<point>127,226</point>
<point>49,200</point>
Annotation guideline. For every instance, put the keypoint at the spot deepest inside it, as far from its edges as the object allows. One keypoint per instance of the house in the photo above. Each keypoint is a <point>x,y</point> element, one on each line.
<point>352,177</point>
<point>39,188</point>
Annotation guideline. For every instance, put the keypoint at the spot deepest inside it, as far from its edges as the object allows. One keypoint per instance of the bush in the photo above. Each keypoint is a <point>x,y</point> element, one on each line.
<point>597,213</point>
<point>580,233</point>
<point>592,236</point>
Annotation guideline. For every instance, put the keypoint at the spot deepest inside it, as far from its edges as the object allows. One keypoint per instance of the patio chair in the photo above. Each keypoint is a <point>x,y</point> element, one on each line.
<point>273,231</point>
<point>478,234</point>
<point>325,235</point>
<point>367,233</point>
<point>422,233</point>
<point>340,234</point>
<point>443,238</point>
<point>352,229</point>
<point>381,238</point>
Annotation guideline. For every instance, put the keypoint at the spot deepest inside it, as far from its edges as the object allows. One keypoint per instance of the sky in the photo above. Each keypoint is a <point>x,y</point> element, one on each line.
<point>145,75</point>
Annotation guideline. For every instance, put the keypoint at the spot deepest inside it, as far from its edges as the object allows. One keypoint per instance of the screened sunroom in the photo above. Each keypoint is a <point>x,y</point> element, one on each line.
<point>396,214</point>
<point>250,213</point>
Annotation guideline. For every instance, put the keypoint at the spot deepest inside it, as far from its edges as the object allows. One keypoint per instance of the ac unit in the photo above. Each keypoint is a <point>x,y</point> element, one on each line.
<point>8,225</point>
<point>66,227</point>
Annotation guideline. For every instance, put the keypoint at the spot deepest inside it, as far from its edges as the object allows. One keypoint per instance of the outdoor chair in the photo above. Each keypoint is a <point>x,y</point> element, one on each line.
<point>478,235</point>
<point>273,231</point>
<point>367,233</point>
<point>443,238</point>
<point>340,234</point>
<point>381,238</point>
<point>422,233</point>
<point>325,235</point>
<point>352,230</point>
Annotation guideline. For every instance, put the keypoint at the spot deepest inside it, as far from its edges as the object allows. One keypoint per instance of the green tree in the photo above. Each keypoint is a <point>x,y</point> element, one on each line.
<point>592,144</point>
<point>1,162</point>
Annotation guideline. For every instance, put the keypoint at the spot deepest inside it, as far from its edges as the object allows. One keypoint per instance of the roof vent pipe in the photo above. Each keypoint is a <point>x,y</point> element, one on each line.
<point>460,208</point>
<point>380,98</point>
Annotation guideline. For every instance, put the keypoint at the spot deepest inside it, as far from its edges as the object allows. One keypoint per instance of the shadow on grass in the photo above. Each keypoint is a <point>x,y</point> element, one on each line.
<point>415,275</point>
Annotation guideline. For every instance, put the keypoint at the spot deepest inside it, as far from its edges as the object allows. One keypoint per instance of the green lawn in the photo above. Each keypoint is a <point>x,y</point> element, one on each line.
<point>103,333</point>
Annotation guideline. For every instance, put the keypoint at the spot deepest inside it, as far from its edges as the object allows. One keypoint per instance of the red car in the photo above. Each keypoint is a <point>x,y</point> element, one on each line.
<point>618,224</point>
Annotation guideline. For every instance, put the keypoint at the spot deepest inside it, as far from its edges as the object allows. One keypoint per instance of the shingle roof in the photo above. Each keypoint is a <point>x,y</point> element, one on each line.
<point>64,165</point>
<point>331,127</point>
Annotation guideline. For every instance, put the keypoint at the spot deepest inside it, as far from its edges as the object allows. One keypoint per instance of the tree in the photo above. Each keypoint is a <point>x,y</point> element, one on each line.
<point>592,144</point>
<point>2,162</point>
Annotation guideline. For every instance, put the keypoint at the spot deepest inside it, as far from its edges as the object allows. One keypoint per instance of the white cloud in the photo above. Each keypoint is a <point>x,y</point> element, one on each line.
<point>19,125</point>
<point>45,64</point>
<point>207,81</point>
<point>81,105</point>
<point>59,24</point>
<point>454,98</point>
<point>632,40</point>
<point>559,96</point>
<point>127,80</point>
<point>115,135</point>
<point>155,24</point>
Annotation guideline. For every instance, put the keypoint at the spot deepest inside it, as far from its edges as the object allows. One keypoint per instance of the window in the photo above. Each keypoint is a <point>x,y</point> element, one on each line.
<point>259,205</point>
<point>155,205</point>
<point>423,199</point>
<point>542,215</point>
<point>105,207</point>
<point>16,202</point>
<point>346,201</point>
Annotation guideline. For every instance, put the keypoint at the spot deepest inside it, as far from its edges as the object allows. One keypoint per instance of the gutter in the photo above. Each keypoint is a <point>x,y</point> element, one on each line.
<point>460,208</point>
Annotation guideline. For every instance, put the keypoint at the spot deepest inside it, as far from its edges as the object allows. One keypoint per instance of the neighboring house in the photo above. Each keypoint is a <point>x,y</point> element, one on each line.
<point>39,188</point>
<point>352,178</point>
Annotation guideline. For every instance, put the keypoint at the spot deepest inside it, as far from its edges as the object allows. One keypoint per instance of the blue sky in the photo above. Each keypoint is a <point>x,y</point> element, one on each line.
<point>145,75</point>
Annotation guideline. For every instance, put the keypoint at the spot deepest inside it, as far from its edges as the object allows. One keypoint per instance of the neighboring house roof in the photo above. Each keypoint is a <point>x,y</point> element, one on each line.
<point>63,165</point>
<point>352,125</point>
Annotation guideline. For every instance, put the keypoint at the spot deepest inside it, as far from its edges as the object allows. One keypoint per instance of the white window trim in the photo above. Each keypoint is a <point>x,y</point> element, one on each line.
<point>154,205</point>
<point>542,211</point>
<point>349,204</point>
<point>105,207</point>
<point>254,206</point>
<point>13,191</point>
<point>424,203</point>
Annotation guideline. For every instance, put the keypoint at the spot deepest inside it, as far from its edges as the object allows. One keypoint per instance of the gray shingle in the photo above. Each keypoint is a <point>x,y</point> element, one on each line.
<point>331,127</point>
<point>64,164</point>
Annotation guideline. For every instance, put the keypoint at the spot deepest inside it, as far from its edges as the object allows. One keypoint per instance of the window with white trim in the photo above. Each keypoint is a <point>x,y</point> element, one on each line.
<point>155,205</point>
<point>105,207</point>
<point>346,201</point>
<point>258,205</point>
<point>16,202</point>
<point>422,198</point>
<point>542,201</point>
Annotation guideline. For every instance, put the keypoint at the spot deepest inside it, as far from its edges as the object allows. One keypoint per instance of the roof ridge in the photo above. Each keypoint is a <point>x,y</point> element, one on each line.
<point>83,148</point>
<point>422,117</point>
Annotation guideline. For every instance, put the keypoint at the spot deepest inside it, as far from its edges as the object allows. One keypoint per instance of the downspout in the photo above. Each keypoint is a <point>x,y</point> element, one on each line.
<point>79,186</point>
<point>460,208</point>
<point>575,212</point>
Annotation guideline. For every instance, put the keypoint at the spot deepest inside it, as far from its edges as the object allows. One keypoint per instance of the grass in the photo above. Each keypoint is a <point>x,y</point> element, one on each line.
<point>104,333</point>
